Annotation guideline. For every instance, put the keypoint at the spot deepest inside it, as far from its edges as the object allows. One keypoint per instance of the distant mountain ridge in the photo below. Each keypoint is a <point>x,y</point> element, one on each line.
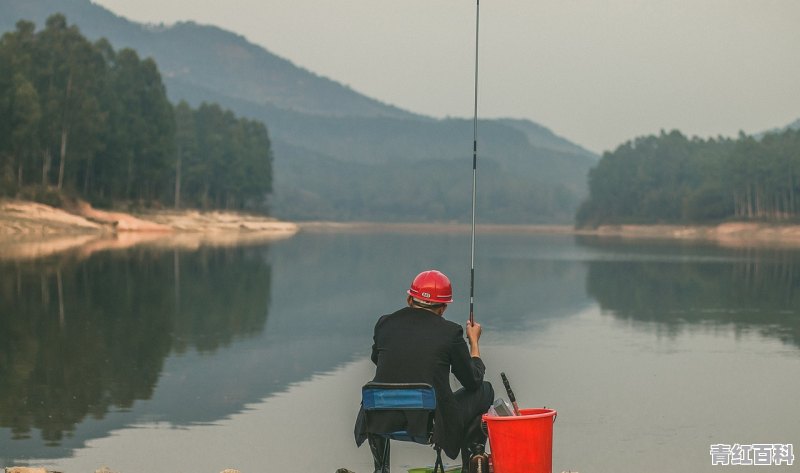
<point>325,134</point>
<point>258,75</point>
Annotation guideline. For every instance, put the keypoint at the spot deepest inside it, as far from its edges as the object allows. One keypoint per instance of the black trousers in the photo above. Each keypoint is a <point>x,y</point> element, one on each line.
<point>472,405</point>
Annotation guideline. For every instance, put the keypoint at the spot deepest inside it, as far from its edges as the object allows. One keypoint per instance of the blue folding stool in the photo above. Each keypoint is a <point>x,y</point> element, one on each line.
<point>377,398</point>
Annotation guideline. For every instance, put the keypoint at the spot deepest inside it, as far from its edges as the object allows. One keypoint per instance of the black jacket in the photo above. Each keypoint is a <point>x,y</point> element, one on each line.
<point>417,346</point>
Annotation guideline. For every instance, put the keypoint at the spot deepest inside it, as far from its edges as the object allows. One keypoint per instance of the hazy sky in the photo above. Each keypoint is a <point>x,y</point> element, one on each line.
<point>596,72</point>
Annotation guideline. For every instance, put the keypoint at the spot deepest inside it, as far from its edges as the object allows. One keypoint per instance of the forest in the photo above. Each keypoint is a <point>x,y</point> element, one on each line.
<point>80,119</point>
<point>671,178</point>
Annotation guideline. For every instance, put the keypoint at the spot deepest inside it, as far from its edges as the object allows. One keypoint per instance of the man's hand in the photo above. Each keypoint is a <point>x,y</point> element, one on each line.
<point>473,335</point>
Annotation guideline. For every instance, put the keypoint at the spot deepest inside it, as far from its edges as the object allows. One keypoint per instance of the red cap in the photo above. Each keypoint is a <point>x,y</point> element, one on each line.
<point>432,286</point>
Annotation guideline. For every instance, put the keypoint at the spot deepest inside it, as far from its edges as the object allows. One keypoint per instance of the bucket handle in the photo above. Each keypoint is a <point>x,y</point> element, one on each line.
<point>555,414</point>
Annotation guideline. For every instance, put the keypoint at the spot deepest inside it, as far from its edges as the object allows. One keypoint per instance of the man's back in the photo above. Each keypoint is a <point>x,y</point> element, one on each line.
<point>416,345</point>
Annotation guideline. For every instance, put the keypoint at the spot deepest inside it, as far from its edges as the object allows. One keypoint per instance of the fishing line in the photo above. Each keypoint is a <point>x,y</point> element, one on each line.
<point>474,170</point>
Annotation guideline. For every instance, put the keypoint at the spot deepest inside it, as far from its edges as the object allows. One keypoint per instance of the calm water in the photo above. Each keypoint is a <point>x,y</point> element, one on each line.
<point>171,361</point>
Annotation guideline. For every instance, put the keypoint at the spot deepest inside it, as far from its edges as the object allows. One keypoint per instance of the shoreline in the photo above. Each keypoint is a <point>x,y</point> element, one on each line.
<point>728,234</point>
<point>416,227</point>
<point>29,230</point>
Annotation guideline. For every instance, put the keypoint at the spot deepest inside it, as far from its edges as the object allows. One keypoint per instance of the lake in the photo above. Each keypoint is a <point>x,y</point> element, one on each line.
<point>252,357</point>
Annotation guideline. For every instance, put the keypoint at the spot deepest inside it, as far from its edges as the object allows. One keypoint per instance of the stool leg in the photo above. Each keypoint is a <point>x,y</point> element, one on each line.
<point>379,446</point>
<point>439,465</point>
<point>386,467</point>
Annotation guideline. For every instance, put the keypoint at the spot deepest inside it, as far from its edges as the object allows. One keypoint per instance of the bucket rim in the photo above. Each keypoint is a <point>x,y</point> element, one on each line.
<point>531,413</point>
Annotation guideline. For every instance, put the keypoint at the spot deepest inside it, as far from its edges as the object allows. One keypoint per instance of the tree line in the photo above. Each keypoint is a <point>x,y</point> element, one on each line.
<point>81,118</point>
<point>670,178</point>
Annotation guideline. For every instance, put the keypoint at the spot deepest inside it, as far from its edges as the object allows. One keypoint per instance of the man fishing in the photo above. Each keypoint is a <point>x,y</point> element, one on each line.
<point>417,344</point>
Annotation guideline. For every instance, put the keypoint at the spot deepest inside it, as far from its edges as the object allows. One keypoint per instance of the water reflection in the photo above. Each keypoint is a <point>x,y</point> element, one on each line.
<point>81,338</point>
<point>93,344</point>
<point>681,286</point>
<point>144,337</point>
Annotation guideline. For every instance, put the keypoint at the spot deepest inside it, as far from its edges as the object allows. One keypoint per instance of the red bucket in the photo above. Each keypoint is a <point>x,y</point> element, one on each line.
<point>523,443</point>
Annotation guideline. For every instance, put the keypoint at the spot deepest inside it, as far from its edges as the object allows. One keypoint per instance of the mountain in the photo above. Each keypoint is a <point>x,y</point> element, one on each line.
<point>338,153</point>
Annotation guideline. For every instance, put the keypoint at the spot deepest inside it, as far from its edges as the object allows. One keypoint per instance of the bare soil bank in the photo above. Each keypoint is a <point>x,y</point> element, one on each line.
<point>31,230</point>
<point>726,234</point>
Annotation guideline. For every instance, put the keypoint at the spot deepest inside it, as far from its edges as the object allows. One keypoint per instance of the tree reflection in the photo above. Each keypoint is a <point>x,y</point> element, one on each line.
<point>755,288</point>
<point>78,338</point>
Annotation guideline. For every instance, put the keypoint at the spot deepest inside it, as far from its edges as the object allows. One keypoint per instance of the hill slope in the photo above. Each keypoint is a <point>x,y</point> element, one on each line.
<point>339,154</point>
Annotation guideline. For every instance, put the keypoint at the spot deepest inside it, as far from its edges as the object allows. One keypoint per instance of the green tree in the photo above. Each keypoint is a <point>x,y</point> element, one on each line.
<point>672,179</point>
<point>19,102</point>
<point>104,115</point>
<point>68,76</point>
<point>185,144</point>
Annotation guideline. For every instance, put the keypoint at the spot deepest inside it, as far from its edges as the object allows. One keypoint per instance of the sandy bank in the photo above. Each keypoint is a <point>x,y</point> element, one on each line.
<point>727,234</point>
<point>30,230</point>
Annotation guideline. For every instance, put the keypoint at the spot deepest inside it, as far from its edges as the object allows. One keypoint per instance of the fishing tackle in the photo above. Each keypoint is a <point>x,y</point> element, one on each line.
<point>474,171</point>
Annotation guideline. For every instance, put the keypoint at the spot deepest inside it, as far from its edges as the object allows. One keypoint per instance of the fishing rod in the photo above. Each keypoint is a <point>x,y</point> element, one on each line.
<point>474,170</point>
